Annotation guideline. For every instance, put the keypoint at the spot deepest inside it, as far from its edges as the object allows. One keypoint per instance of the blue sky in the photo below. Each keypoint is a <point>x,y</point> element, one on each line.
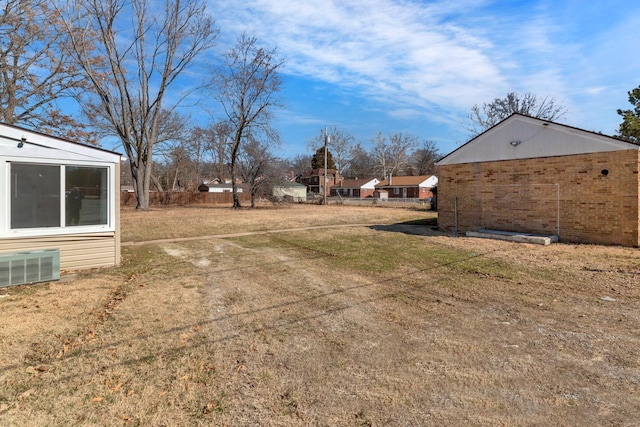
<point>419,66</point>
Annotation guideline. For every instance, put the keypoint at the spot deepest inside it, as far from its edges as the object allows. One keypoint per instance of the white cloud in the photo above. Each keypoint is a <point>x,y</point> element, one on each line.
<point>391,49</point>
<point>595,90</point>
<point>289,117</point>
<point>440,57</point>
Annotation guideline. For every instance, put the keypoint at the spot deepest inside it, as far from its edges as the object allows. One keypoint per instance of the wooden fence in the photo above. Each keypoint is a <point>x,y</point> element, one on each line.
<point>168,198</point>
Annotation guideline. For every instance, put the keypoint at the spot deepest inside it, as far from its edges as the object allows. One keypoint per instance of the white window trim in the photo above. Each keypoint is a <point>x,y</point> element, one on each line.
<point>5,196</point>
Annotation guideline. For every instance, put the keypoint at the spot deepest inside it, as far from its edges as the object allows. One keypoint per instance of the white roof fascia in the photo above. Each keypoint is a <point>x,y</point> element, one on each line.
<point>370,184</point>
<point>432,181</point>
<point>37,153</point>
<point>40,146</point>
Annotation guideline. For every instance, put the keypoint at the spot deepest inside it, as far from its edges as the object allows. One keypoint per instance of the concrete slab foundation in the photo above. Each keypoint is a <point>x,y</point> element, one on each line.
<point>512,236</point>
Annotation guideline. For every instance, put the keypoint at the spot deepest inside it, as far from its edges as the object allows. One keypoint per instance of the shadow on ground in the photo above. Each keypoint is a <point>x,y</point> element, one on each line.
<point>420,227</point>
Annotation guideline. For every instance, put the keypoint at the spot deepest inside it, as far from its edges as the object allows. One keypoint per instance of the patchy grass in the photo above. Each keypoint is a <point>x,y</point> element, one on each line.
<point>392,324</point>
<point>193,221</point>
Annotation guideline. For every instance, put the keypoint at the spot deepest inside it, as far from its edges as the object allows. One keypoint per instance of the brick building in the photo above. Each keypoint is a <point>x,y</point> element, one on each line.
<point>314,179</point>
<point>409,187</point>
<point>355,188</point>
<point>535,176</point>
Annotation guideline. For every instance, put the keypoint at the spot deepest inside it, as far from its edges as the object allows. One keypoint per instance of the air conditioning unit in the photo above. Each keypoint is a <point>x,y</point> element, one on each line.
<point>29,267</point>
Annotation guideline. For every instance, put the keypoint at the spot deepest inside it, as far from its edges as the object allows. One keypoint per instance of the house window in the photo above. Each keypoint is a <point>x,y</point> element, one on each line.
<point>35,195</point>
<point>47,196</point>
<point>86,201</point>
<point>396,190</point>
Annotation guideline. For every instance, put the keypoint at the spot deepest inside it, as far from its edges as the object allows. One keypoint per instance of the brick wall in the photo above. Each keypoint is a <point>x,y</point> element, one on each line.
<point>569,194</point>
<point>412,192</point>
<point>367,192</point>
<point>359,193</point>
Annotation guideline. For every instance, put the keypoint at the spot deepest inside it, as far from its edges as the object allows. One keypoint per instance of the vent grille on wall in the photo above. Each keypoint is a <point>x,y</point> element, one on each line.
<point>29,267</point>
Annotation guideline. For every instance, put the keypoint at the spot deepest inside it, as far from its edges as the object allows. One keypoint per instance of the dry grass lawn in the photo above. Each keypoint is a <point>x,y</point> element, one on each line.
<point>386,324</point>
<point>195,221</point>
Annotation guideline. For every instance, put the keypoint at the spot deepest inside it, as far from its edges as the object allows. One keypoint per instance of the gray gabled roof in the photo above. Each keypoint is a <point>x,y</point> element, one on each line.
<point>524,137</point>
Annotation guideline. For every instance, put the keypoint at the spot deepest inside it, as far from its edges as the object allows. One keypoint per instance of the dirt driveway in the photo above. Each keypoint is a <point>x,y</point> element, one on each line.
<point>363,326</point>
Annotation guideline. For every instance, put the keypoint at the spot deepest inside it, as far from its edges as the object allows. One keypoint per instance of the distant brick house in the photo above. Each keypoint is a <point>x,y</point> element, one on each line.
<point>313,180</point>
<point>355,188</point>
<point>531,175</point>
<point>409,187</point>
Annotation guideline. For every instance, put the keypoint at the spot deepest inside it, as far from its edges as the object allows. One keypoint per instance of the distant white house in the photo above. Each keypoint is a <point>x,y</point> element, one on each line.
<point>297,192</point>
<point>59,196</point>
<point>218,188</point>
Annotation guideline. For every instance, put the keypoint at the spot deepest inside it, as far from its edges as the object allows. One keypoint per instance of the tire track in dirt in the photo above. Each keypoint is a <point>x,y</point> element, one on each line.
<point>287,321</point>
<point>297,342</point>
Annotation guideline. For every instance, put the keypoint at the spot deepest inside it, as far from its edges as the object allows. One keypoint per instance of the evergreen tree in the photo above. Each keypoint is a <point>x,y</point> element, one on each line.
<point>317,161</point>
<point>630,127</point>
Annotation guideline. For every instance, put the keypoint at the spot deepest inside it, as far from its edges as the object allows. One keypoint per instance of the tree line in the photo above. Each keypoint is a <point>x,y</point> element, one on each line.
<point>205,154</point>
<point>393,154</point>
<point>130,66</point>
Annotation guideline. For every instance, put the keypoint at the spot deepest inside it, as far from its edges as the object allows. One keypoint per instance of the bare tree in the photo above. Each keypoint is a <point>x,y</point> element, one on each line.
<point>217,139</point>
<point>180,152</point>
<point>423,159</point>
<point>300,164</point>
<point>35,73</point>
<point>132,52</point>
<point>340,144</point>
<point>391,154</point>
<point>399,147</point>
<point>247,87</point>
<point>380,154</point>
<point>490,114</point>
<point>170,166</point>
<point>362,162</point>
<point>196,149</point>
<point>171,146</point>
<point>254,160</point>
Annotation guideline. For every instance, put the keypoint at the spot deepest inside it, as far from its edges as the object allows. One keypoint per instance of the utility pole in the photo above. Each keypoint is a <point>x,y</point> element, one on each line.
<point>324,187</point>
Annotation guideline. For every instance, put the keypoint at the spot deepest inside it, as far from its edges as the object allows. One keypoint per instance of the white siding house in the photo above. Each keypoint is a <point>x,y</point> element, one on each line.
<point>218,188</point>
<point>57,195</point>
<point>297,192</point>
